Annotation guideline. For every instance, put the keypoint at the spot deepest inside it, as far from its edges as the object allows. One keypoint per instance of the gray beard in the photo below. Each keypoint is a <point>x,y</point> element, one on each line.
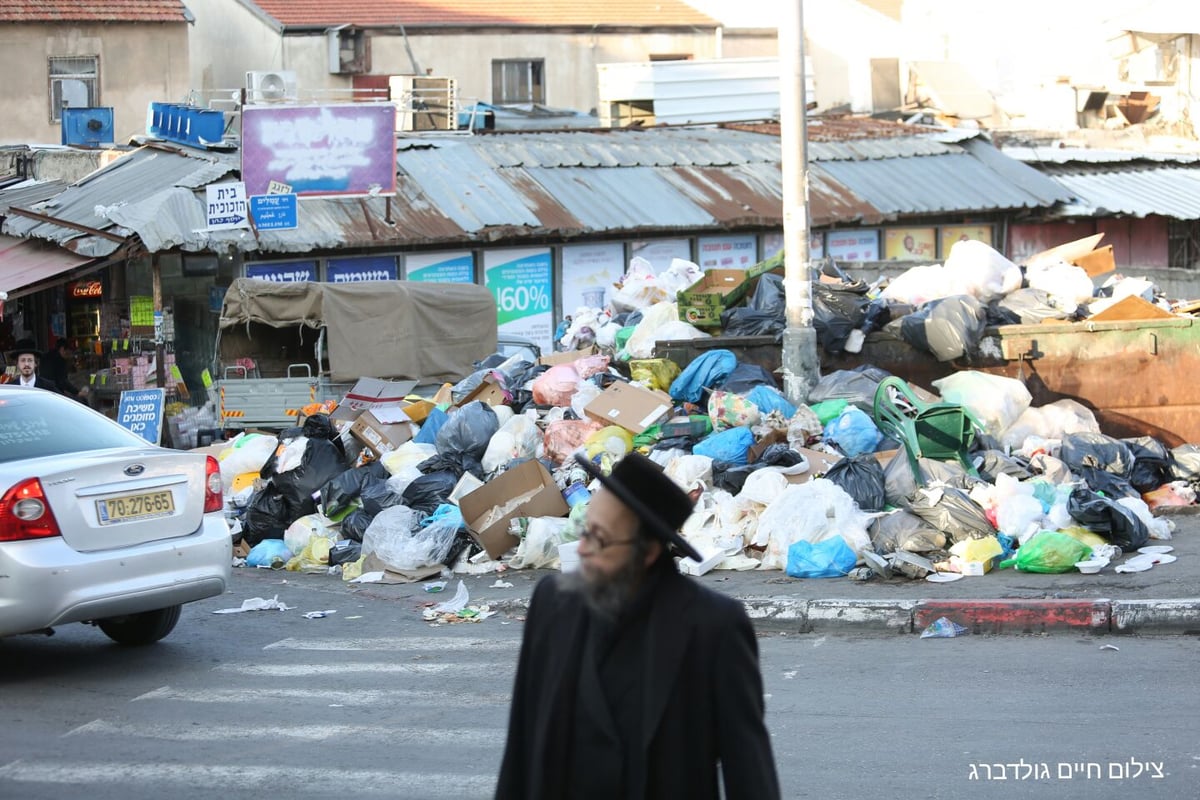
<point>605,597</point>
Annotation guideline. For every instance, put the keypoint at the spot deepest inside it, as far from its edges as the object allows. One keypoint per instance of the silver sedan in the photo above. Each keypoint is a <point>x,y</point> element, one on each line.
<point>98,526</point>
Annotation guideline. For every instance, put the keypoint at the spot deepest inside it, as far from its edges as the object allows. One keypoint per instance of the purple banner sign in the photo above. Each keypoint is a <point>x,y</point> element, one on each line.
<point>320,150</point>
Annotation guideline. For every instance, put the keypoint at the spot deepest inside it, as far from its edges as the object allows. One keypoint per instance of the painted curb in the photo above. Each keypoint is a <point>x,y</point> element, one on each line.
<point>891,616</point>
<point>1156,616</point>
<point>1017,616</point>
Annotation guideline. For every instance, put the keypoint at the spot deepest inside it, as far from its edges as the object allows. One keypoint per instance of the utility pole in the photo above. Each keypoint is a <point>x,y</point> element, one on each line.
<point>801,361</point>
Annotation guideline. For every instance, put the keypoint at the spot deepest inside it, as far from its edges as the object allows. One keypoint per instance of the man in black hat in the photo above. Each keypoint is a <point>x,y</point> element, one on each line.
<point>25,354</point>
<point>635,681</point>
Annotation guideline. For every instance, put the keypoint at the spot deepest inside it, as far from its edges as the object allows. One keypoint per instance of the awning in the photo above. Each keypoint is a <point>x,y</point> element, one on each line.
<point>27,265</point>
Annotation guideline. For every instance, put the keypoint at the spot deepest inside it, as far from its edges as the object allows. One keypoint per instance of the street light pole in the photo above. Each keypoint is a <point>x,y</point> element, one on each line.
<point>801,362</point>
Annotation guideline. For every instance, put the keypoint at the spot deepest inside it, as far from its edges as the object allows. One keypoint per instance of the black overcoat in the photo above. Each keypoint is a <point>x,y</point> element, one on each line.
<point>703,700</point>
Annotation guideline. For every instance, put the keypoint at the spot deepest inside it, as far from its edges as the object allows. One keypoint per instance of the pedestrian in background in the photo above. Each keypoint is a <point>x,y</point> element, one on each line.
<point>26,356</point>
<point>635,681</point>
<point>56,366</point>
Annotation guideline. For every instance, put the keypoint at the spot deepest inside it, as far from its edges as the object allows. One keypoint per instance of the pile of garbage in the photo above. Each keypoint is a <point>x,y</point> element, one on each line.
<point>481,477</point>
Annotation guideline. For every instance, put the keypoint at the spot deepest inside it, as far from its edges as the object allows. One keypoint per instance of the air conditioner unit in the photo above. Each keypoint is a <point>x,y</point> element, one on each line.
<point>88,126</point>
<point>424,103</point>
<point>266,86</point>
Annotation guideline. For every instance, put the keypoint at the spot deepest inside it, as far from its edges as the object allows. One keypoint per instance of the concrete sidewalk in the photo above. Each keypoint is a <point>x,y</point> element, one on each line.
<point>1162,600</point>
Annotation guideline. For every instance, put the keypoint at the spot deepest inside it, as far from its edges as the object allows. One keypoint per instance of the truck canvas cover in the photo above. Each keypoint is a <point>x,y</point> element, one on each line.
<point>380,329</point>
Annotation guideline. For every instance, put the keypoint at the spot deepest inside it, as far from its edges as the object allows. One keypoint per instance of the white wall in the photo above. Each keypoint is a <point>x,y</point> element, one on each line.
<point>227,41</point>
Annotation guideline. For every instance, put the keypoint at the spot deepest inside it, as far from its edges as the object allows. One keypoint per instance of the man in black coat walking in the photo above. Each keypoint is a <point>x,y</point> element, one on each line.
<point>56,367</point>
<point>634,681</point>
<point>26,354</point>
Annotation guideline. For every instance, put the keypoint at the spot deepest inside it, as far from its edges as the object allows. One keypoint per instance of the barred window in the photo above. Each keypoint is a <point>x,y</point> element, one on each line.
<point>520,81</point>
<point>74,82</point>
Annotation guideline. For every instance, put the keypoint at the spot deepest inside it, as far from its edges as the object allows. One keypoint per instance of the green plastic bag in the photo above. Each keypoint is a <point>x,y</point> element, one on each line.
<point>828,410</point>
<point>1049,551</point>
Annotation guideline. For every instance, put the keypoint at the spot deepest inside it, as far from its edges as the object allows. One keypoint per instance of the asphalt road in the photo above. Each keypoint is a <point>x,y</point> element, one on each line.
<point>373,702</point>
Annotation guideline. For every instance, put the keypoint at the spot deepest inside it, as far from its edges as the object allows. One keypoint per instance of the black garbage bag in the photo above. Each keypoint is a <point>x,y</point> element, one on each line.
<point>745,377</point>
<point>462,541</point>
<point>468,431</point>
<point>742,321</point>
<point>862,478</point>
<point>355,524</point>
<point>469,384</point>
<point>1151,463</point>
<point>837,312</point>
<point>685,443</point>
<point>345,551</point>
<point>318,426</point>
<point>769,296</point>
<point>1108,518</point>
<point>340,493</point>
<point>1026,306</point>
<point>903,530</point>
<point>953,512</point>
<point>779,455</point>
<point>1110,484</point>
<point>458,463</point>
<point>732,477</point>
<point>855,386</point>
<point>321,463</point>
<point>428,492</point>
<point>266,516</point>
<point>1097,451</point>
<point>996,463</point>
<point>376,496</point>
<point>1185,463</point>
<point>948,328</point>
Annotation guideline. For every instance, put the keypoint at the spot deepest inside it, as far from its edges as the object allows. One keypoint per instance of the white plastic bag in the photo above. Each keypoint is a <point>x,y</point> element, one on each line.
<point>247,452</point>
<point>456,603</point>
<point>691,472</point>
<point>641,343</point>
<point>639,288</point>
<point>979,270</point>
<point>408,454</point>
<point>539,546</point>
<point>290,454</point>
<point>916,286</point>
<point>679,276</point>
<point>997,402</point>
<point>391,537</point>
<point>585,392</point>
<point>812,511</point>
<point>298,534</point>
<point>1068,285</point>
<point>517,438</point>
<point>763,486</point>
<point>1051,421</point>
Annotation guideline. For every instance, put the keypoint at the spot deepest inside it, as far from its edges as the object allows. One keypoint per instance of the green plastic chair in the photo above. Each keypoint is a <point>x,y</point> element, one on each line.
<point>941,431</point>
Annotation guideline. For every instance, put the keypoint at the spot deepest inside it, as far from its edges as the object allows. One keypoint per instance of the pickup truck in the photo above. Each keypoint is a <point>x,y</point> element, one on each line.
<point>282,346</point>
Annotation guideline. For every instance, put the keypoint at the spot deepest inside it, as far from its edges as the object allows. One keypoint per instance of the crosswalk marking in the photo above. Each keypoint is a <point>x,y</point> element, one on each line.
<point>326,781</point>
<point>418,644</point>
<point>459,737</point>
<point>310,696</point>
<point>491,668</point>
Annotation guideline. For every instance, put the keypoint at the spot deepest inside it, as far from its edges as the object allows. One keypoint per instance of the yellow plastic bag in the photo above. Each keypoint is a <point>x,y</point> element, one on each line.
<point>656,373</point>
<point>313,558</point>
<point>612,440</point>
<point>353,569</point>
<point>1090,538</point>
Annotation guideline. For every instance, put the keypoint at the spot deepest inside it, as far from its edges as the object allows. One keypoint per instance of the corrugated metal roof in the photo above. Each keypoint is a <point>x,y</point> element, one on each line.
<point>875,149</point>
<point>1087,155</point>
<point>28,192</point>
<point>24,264</point>
<point>1135,191</point>
<point>460,183</point>
<point>621,199</point>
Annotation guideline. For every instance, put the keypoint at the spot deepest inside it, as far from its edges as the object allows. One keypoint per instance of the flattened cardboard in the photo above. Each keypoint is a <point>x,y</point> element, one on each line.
<point>529,476</point>
<point>377,436</point>
<point>368,393</point>
<point>488,392</point>
<point>1066,252</point>
<point>818,464</point>
<point>568,356</point>
<point>1098,262</point>
<point>373,563</point>
<point>1131,308</point>
<point>630,407</point>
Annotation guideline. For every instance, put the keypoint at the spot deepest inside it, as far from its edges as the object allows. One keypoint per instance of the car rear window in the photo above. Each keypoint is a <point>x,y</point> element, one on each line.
<point>36,423</point>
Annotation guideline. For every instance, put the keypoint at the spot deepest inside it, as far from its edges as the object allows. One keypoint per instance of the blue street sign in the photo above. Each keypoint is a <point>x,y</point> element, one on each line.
<point>363,268</point>
<point>141,411</point>
<point>273,212</point>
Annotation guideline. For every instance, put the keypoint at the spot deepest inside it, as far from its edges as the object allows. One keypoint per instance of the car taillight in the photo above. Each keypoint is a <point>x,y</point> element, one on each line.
<point>25,514</point>
<point>212,486</point>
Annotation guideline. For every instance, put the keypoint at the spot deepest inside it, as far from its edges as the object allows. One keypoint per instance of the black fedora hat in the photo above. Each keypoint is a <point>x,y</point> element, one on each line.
<point>24,346</point>
<point>659,502</point>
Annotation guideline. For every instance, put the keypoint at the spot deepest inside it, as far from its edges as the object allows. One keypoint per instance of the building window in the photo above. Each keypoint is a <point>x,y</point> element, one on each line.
<point>1183,244</point>
<point>74,82</point>
<point>518,81</point>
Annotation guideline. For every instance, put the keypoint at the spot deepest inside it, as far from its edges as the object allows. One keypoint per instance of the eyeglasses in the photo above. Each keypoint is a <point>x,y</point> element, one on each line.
<point>589,535</point>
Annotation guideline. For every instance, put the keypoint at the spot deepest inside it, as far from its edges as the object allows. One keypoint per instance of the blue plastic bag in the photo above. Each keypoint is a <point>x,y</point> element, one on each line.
<point>732,446</point>
<point>430,427</point>
<point>768,399</point>
<point>269,553</point>
<point>703,373</point>
<point>829,558</point>
<point>853,432</point>
<point>446,513</point>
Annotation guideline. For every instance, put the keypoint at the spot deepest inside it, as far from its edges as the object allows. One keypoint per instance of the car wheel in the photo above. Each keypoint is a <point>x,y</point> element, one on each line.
<point>145,628</point>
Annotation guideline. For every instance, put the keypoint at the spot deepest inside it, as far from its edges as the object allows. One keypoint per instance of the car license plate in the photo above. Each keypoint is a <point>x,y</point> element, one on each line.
<point>135,506</point>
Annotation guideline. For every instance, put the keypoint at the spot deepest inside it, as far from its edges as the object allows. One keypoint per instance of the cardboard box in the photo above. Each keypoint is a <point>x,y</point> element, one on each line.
<point>529,481</point>
<point>818,464</point>
<point>489,391</point>
<point>630,407</point>
<point>1098,262</point>
<point>701,303</point>
<point>418,411</point>
<point>369,393</point>
<point>382,430</point>
<point>568,356</point>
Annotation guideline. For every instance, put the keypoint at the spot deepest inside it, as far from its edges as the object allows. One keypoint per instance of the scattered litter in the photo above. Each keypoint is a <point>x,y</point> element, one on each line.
<point>456,603</point>
<point>499,584</point>
<point>1109,647</point>
<point>256,604</point>
<point>356,616</point>
<point>369,577</point>
<point>319,614</point>
<point>943,628</point>
<point>435,586</point>
<point>789,674</point>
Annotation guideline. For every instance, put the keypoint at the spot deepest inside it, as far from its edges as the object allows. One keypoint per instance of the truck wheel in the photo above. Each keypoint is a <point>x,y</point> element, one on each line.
<point>139,629</point>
